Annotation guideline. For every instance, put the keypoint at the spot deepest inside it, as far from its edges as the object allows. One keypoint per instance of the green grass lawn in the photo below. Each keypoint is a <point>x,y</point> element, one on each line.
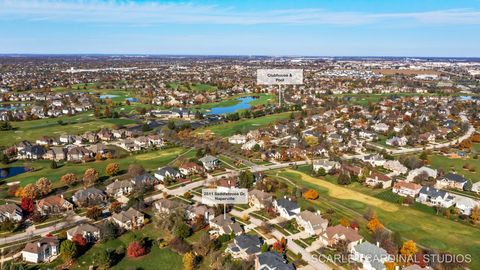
<point>426,229</point>
<point>150,161</point>
<point>77,124</point>
<point>244,125</point>
<point>456,164</point>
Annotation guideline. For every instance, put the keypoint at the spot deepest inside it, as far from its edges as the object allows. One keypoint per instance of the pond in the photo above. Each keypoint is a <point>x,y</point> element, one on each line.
<point>108,96</point>
<point>244,103</point>
<point>11,171</point>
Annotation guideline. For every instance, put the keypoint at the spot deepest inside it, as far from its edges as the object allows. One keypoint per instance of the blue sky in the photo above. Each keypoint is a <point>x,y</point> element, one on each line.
<point>322,27</point>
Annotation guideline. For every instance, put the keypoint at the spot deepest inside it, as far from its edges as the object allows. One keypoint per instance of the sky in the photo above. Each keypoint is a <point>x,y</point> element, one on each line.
<point>436,28</point>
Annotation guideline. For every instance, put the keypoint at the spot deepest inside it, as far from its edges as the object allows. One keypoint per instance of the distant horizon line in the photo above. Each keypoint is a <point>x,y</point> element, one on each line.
<point>236,55</point>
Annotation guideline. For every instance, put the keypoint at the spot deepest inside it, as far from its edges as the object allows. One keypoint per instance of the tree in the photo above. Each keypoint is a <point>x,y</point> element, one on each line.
<point>188,261</point>
<point>310,194</point>
<point>468,185</point>
<point>409,249</point>
<point>280,246</point>
<point>108,231</point>
<point>390,265</point>
<point>475,214</point>
<point>94,213</point>
<point>44,186</point>
<point>68,250</point>
<point>79,240</point>
<point>112,169</point>
<point>69,179</point>
<point>115,207</point>
<point>134,250</point>
<point>181,230</point>
<point>135,170</point>
<point>374,224</point>
<point>344,222</point>
<point>246,179</point>
<point>205,244</point>
<point>90,176</point>
<point>264,247</point>
<point>27,205</point>
<point>30,191</point>
<point>344,179</point>
<point>102,259</point>
<point>53,165</point>
<point>107,112</point>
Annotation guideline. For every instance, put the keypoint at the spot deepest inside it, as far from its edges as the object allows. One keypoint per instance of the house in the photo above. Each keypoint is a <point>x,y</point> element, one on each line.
<point>476,187</point>
<point>286,208</point>
<point>89,232</point>
<point>130,219</point>
<point>332,235</point>
<point>374,160</point>
<point>325,164</point>
<point>397,141</point>
<point>166,205</point>
<point>194,211</point>
<point>311,222</point>
<point>372,257</point>
<point>225,225</point>
<point>189,168</point>
<point>209,162</point>
<point>423,170</point>
<point>89,196</point>
<point>32,152</point>
<point>452,180</point>
<point>120,188</point>
<point>43,250</point>
<point>250,145</point>
<point>259,199</point>
<point>56,153</point>
<point>395,166</point>
<point>380,127</point>
<point>237,139</point>
<point>351,170</point>
<point>54,204</point>
<point>406,189</point>
<point>45,140</point>
<point>144,180</point>
<point>244,246</point>
<point>376,179</point>
<point>79,153</point>
<point>465,204</point>
<point>10,211</point>
<point>225,184</point>
<point>272,261</point>
<point>167,172</point>
<point>435,197</point>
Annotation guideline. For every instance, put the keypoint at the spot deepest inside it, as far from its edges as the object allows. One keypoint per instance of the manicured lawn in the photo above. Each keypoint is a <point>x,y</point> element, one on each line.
<point>449,164</point>
<point>426,229</point>
<point>77,124</point>
<point>150,161</point>
<point>244,125</point>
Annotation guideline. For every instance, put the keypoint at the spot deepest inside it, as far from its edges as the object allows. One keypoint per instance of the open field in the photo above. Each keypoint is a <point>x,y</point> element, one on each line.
<point>157,258</point>
<point>195,87</point>
<point>150,161</point>
<point>77,124</point>
<point>406,71</point>
<point>456,164</point>
<point>244,125</point>
<point>426,229</point>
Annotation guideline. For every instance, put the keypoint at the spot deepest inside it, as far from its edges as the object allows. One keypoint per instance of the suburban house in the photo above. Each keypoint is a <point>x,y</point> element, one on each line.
<point>130,219</point>
<point>374,160</point>
<point>55,204</point>
<point>272,261</point>
<point>119,188</point>
<point>351,170</point>
<point>375,179</point>
<point>244,246</point>
<point>56,153</point>
<point>194,211</point>
<point>465,204</point>
<point>372,257</point>
<point>395,166</point>
<point>89,196</point>
<point>423,170</point>
<point>435,197</point>
<point>144,181</point>
<point>43,250</point>
<point>286,208</point>
<point>32,152</point>
<point>332,235</point>
<point>452,180</point>
<point>190,168</point>
<point>325,164</point>
<point>311,222</point>
<point>167,172</point>
<point>237,139</point>
<point>259,199</point>
<point>209,162</point>
<point>78,154</point>
<point>397,141</point>
<point>10,211</point>
<point>89,232</point>
<point>476,187</point>
<point>406,189</point>
<point>225,225</point>
<point>166,205</point>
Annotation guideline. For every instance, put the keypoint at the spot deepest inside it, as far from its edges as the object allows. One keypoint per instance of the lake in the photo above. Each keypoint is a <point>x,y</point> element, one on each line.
<point>11,171</point>
<point>244,103</point>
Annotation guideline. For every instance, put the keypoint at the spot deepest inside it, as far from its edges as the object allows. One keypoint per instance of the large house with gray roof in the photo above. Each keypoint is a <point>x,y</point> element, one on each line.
<point>372,257</point>
<point>272,261</point>
<point>244,246</point>
<point>435,197</point>
<point>286,208</point>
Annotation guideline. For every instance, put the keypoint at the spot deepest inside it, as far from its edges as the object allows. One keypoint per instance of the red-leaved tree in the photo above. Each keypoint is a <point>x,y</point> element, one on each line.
<point>135,250</point>
<point>79,240</point>
<point>27,205</point>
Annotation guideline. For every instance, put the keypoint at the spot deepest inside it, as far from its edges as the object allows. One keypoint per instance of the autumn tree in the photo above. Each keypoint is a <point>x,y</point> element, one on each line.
<point>134,250</point>
<point>30,191</point>
<point>115,207</point>
<point>69,179</point>
<point>310,194</point>
<point>135,170</point>
<point>79,240</point>
<point>280,246</point>
<point>475,214</point>
<point>409,249</point>
<point>188,261</point>
<point>374,224</point>
<point>27,205</point>
<point>344,222</point>
<point>390,265</point>
<point>94,213</point>
<point>44,186</point>
<point>112,169</point>
<point>90,176</point>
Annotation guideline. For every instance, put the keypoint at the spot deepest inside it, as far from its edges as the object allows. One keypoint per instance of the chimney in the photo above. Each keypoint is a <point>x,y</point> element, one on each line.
<point>378,244</point>
<point>38,244</point>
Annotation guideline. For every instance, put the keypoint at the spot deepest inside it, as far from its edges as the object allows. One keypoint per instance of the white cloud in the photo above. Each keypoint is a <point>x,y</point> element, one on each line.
<point>128,12</point>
